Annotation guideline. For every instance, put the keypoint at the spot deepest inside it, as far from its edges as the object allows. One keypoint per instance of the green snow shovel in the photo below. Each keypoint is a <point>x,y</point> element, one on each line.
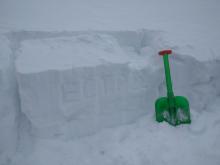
<point>172,109</point>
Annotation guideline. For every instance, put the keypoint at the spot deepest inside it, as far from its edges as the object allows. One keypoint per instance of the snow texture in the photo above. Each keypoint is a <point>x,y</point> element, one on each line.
<point>78,82</point>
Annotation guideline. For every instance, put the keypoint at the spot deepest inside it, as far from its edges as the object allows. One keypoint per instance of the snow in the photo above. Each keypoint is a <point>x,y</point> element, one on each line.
<point>8,104</point>
<point>141,142</point>
<point>78,81</point>
<point>65,53</point>
<point>191,25</point>
<point>61,88</point>
<point>66,104</point>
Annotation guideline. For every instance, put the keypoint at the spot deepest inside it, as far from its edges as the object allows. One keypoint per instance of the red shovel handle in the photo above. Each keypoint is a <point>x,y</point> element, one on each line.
<point>164,52</point>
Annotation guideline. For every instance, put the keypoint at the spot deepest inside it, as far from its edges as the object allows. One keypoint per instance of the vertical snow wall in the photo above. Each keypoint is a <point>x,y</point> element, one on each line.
<point>8,102</point>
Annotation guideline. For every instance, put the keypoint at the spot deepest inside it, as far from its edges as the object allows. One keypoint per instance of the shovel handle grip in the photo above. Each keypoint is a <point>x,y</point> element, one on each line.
<point>165,52</point>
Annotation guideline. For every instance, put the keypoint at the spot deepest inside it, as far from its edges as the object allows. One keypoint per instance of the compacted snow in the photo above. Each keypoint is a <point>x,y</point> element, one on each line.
<point>87,96</point>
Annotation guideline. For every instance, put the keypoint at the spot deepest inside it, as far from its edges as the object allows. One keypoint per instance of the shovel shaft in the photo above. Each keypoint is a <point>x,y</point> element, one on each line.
<point>170,93</point>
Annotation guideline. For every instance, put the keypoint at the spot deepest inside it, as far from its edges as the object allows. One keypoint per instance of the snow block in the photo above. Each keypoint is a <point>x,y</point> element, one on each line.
<point>75,86</point>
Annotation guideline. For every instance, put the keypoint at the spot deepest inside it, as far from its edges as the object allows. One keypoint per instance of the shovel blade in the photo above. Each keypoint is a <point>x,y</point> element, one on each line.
<point>179,114</point>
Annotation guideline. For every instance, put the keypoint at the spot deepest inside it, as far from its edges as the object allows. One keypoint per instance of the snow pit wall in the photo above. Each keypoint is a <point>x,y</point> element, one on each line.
<point>85,100</point>
<point>81,101</point>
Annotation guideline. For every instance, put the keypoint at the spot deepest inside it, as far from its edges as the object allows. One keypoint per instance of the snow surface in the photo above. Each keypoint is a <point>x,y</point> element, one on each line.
<point>192,26</point>
<point>78,81</point>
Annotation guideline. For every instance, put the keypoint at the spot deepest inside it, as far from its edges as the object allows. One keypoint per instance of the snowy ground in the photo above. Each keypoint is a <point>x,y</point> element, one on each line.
<point>78,87</point>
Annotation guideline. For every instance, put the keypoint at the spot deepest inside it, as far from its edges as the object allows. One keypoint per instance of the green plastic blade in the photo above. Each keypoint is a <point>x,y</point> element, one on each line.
<point>179,114</point>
